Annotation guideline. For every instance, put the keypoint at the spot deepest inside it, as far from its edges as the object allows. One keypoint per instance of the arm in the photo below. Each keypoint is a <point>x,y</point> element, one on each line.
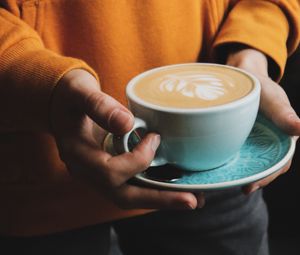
<point>81,115</point>
<point>274,102</point>
<point>38,87</point>
<point>257,37</point>
<point>271,27</point>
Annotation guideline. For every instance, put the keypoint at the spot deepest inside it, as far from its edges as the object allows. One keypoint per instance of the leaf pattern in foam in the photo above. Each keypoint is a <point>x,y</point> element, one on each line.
<point>206,87</point>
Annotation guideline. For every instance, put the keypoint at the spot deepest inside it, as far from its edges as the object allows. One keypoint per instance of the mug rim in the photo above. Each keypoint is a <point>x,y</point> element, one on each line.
<point>252,95</point>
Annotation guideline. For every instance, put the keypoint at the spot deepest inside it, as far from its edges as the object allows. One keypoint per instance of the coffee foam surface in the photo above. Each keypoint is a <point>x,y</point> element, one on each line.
<point>193,86</point>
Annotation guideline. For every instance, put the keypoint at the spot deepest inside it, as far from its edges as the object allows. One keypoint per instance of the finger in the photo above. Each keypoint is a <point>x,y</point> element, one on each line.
<point>264,182</point>
<point>276,106</point>
<point>286,119</point>
<point>79,90</point>
<point>200,199</point>
<point>138,160</point>
<point>100,166</point>
<point>84,160</point>
<point>130,196</point>
<point>260,184</point>
<point>108,113</point>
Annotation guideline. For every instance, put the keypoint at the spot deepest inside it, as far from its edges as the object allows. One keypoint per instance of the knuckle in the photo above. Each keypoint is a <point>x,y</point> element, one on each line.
<point>95,101</point>
<point>142,164</point>
<point>141,161</point>
<point>285,169</point>
<point>114,179</point>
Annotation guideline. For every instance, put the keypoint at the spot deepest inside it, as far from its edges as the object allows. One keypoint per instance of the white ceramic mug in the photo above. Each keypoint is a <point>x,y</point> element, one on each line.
<point>199,138</point>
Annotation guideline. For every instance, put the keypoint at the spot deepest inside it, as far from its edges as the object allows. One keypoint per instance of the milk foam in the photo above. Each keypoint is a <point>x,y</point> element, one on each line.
<point>193,86</point>
<point>202,86</point>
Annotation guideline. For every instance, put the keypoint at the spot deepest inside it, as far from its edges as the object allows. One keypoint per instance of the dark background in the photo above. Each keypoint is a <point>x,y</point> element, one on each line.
<point>283,195</point>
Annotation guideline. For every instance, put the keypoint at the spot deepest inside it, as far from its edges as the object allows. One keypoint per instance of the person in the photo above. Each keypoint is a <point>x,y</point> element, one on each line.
<point>60,192</point>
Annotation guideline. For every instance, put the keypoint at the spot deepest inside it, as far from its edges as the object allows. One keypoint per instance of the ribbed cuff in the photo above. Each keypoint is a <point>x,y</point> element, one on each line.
<point>258,24</point>
<point>27,79</point>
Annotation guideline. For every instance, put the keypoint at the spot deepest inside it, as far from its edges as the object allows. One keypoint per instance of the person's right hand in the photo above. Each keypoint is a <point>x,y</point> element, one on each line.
<point>80,117</point>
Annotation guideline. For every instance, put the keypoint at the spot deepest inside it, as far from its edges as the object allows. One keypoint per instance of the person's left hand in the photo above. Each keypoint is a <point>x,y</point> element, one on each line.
<point>274,103</point>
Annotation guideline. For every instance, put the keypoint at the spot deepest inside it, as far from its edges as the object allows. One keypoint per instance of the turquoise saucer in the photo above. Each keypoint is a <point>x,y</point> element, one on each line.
<point>266,150</point>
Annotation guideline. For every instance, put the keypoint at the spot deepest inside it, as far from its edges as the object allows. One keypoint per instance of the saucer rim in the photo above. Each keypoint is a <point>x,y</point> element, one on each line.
<point>227,184</point>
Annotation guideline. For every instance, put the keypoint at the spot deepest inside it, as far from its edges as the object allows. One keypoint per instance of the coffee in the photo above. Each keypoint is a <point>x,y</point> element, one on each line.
<point>193,86</point>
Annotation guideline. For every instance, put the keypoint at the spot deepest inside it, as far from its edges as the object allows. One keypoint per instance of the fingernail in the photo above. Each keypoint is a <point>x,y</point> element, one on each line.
<point>155,142</point>
<point>190,206</point>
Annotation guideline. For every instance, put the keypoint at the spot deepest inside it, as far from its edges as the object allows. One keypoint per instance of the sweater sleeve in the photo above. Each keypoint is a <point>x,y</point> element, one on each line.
<point>270,26</point>
<point>28,75</point>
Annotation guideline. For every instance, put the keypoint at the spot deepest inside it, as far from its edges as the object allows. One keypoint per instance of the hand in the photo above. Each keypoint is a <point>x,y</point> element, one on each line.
<point>274,102</point>
<point>81,115</point>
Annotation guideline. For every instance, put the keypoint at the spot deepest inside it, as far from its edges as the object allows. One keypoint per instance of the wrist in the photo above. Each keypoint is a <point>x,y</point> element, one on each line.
<point>75,83</point>
<point>250,60</point>
<point>69,95</point>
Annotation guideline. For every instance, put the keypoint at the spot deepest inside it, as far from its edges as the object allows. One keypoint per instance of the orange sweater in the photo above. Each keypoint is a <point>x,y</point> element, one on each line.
<point>40,40</point>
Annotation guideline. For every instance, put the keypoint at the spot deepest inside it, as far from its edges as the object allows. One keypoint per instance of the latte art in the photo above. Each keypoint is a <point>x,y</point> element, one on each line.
<point>206,87</point>
<point>192,86</point>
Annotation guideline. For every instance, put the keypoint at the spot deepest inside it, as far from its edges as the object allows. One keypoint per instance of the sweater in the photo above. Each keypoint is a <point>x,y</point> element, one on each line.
<point>41,40</point>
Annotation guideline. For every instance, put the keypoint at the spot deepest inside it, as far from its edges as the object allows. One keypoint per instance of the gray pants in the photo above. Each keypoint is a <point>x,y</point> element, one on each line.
<point>229,224</point>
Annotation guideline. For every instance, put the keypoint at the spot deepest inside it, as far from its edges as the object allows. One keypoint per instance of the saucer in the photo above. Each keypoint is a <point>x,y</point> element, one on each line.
<point>266,150</point>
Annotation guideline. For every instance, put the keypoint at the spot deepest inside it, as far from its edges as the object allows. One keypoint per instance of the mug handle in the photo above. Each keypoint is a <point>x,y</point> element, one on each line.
<point>119,144</point>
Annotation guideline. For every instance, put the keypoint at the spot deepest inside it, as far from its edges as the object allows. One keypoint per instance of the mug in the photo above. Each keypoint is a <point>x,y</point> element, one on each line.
<point>193,137</point>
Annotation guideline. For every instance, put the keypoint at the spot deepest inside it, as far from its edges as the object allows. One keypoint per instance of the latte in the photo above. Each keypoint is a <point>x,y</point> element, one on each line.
<point>193,86</point>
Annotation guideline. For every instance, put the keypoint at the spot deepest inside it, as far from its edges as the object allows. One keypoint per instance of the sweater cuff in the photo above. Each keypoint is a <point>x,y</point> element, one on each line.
<point>29,74</point>
<point>258,24</point>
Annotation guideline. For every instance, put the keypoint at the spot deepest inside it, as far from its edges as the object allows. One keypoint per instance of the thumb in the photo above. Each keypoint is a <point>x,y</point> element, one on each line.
<point>276,106</point>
